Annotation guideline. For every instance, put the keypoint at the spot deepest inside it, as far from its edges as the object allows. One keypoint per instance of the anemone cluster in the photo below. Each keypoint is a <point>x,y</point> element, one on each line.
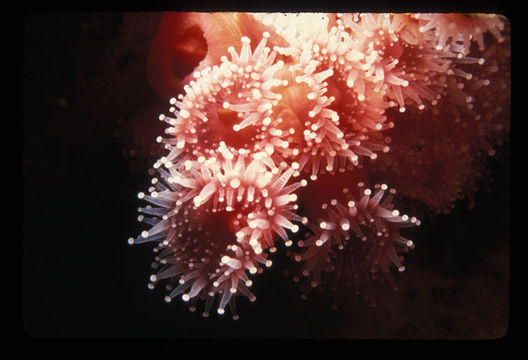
<point>292,132</point>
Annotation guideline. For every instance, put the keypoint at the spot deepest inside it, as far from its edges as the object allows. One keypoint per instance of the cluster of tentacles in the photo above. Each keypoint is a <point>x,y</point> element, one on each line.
<point>290,131</point>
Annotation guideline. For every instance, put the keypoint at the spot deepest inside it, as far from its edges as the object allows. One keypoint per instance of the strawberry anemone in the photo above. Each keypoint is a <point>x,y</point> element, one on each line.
<point>289,128</point>
<point>353,234</point>
<point>215,219</point>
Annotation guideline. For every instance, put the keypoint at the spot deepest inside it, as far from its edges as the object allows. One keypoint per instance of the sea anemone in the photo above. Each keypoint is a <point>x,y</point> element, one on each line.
<point>296,129</point>
<point>353,234</point>
<point>214,218</point>
<point>452,30</point>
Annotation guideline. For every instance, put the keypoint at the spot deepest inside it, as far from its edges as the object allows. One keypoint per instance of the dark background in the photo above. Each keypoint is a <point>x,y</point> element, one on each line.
<point>87,107</point>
